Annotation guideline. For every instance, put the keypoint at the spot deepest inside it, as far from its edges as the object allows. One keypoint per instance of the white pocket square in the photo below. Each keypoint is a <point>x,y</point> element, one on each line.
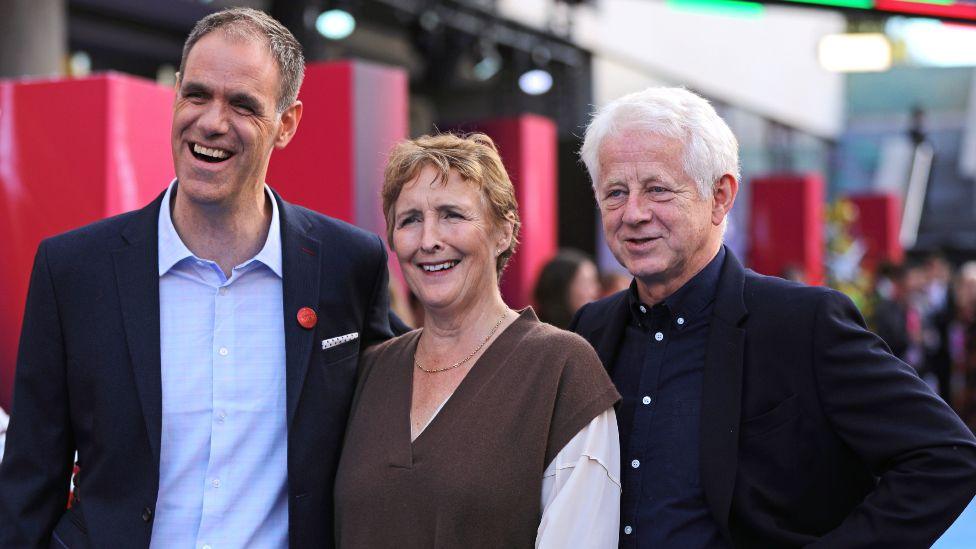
<point>333,341</point>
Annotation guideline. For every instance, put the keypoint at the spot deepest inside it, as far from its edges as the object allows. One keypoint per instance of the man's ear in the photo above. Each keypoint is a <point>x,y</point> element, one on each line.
<point>289,124</point>
<point>723,197</point>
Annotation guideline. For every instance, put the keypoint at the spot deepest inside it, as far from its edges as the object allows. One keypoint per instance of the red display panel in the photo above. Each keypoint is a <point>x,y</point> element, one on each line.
<point>955,10</point>
<point>947,10</point>
<point>527,145</point>
<point>786,227</point>
<point>71,152</point>
<point>877,226</point>
<point>353,114</point>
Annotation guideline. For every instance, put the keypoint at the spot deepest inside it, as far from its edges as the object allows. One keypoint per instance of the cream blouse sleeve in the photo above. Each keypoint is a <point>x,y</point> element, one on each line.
<point>581,490</point>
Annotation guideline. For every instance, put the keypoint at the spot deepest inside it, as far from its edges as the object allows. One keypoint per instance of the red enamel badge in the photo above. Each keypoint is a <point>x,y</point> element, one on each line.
<point>307,318</point>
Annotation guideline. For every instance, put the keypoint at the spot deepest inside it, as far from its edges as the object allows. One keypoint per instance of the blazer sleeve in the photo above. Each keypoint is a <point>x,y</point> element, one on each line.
<point>921,452</point>
<point>378,314</point>
<point>36,467</point>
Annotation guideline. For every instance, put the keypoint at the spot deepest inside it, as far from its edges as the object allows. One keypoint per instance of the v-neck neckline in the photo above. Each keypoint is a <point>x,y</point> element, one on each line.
<point>483,368</point>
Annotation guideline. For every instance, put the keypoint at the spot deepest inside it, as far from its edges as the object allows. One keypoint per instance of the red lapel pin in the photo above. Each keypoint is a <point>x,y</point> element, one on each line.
<point>307,318</point>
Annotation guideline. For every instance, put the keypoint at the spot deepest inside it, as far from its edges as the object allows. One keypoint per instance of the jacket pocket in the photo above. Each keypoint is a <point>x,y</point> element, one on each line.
<point>70,533</point>
<point>769,421</point>
<point>340,352</point>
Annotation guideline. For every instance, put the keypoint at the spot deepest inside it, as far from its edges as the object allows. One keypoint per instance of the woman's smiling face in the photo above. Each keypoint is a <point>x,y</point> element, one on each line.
<point>446,242</point>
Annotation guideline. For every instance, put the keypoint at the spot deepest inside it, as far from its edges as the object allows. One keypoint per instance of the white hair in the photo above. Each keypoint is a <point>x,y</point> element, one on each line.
<point>710,149</point>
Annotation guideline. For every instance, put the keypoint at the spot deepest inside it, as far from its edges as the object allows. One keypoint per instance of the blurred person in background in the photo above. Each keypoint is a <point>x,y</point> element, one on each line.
<point>939,310</point>
<point>756,412</point>
<point>200,353</point>
<point>962,344</point>
<point>890,317</point>
<point>485,428</point>
<point>567,282</point>
<point>613,282</point>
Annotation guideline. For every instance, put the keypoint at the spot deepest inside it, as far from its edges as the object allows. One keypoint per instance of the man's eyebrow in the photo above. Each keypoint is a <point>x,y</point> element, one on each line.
<point>193,87</point>
<point>245,99</point>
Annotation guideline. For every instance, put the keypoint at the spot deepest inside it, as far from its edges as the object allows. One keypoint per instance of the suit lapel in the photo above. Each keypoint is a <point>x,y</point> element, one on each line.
<point>301,279</point>
<point>722,393</point>
<point>137,277</point>
<point>606,337</point>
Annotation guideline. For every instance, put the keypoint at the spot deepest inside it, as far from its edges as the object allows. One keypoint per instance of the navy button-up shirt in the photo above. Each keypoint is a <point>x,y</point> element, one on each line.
<point>659,371</point>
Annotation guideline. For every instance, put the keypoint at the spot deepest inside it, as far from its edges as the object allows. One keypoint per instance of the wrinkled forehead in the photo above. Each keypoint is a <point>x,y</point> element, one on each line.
<point>640,154</point>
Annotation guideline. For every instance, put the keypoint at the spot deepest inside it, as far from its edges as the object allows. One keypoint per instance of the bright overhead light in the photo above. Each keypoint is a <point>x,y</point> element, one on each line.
<point>932,43</point>
<point>860,52</point>
<point>335,24</point>
<point>535,81</point>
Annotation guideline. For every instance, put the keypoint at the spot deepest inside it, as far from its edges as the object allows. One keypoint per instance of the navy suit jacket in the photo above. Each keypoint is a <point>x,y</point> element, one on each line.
<point>88,378</point>
<point>812,433</point>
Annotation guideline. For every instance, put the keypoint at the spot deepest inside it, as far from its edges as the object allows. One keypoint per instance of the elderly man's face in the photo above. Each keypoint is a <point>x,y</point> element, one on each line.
<point>655,222</point>
<point>224,120</point>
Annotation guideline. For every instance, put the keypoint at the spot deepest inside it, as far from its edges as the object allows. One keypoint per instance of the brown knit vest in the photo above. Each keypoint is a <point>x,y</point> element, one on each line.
<point>473,478</point>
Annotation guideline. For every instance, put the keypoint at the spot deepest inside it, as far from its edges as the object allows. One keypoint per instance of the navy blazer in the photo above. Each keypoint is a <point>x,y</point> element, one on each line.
<point>88,378</point>
<point>812,433</point>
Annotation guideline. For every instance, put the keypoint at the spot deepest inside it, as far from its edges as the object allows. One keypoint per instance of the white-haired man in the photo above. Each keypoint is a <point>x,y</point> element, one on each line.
<point>756,412</point>
<point>177,348</point>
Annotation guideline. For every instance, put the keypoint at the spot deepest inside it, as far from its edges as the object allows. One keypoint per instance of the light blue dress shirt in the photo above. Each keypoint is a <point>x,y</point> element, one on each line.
<point>223,457</point>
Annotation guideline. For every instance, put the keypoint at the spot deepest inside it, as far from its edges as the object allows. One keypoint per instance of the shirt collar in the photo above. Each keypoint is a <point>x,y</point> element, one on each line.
<point>172,250</point>
<point>689,299</point>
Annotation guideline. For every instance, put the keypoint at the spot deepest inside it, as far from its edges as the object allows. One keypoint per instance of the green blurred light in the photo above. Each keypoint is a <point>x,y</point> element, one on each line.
<point>731,8</point>
<point>860,4</point>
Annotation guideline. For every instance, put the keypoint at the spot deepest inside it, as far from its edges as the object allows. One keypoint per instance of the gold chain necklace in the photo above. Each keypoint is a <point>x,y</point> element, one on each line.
<point>467,358</point>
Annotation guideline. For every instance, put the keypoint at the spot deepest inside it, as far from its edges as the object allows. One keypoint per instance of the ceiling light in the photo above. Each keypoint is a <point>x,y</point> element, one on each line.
<point>860,52</point>
<point>488,61</point>
<point>535,81</point>
<point>335,24</point>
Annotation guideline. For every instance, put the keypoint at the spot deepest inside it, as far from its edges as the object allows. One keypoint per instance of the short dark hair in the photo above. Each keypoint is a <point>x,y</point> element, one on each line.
<point>248,23</point>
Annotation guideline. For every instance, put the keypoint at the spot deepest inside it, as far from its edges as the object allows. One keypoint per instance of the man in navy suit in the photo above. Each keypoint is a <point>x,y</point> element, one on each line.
<point>756,412</point>
<point>199,354</point>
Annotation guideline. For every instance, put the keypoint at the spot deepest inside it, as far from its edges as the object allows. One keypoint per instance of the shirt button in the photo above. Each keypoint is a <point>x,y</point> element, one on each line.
<point>220,417</point>
<point>635,464</point>
<point>223,351</point>
<point>222,290</point>
<point>628,530</point>
<point>643,309</point>
<point>680,321</point>
<point>215,483</point>
<point>658,336</point>
<point>205,547</point>
<point>646,400</point>
<point>146,514</point>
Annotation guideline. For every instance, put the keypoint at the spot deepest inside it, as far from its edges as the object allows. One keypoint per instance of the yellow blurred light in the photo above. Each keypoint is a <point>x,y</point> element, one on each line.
<point>861,52</point>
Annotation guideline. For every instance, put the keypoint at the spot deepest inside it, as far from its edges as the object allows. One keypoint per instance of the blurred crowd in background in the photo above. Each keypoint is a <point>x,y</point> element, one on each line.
<point>923,308</point>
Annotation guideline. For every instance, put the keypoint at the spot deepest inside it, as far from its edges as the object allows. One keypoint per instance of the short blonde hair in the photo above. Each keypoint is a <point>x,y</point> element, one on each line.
<point>474,157</point>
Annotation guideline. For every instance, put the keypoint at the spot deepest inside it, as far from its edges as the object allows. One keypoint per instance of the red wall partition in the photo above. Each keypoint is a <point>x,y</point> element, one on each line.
<point>786,228</point>
<point>527,145</point>
<point>353,114</point>
<point>877,225</point>
<point>71,152</point>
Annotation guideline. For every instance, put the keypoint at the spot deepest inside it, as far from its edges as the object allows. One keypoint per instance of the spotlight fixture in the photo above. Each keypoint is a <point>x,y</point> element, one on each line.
<point>335,24</point>
<point>488,61</point>
<point>535,81</point>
